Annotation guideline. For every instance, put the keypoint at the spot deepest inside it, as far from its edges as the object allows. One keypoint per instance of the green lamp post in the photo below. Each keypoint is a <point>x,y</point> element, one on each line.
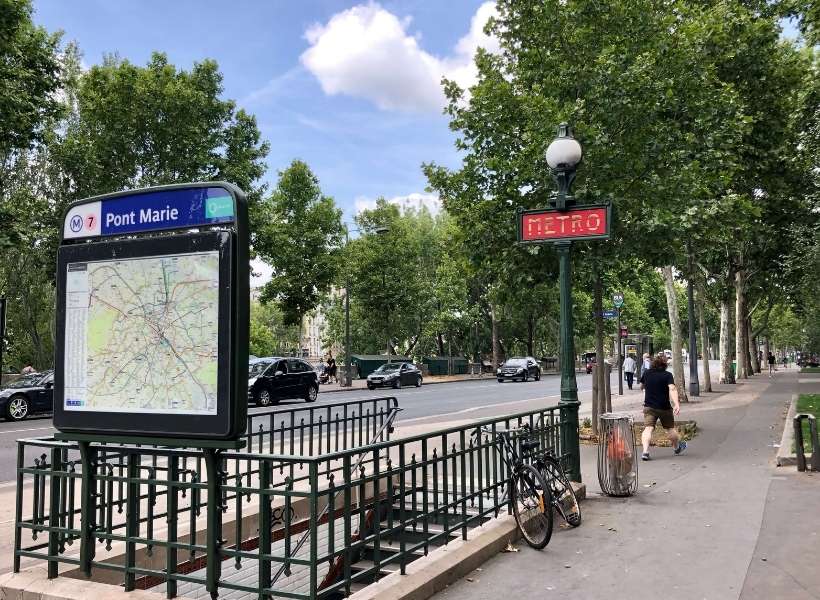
<point>563,157</point>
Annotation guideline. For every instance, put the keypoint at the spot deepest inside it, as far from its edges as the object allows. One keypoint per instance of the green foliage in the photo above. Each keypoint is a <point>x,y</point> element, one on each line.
<point>269,334</point>
<point>140,126</point>
<point>29,78</point>
<point>299,233</point>
<point>118,126</point>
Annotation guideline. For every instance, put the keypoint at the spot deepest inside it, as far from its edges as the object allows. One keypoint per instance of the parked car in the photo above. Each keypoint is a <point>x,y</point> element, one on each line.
<point>519,368</point>
<point>395,375</point>
<point>31,394</point>
<point>273,379</point>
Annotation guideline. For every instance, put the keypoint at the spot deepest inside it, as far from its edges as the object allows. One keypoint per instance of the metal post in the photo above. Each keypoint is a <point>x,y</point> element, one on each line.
<point>54,511</point>
<point>694,383</point>
<point>214,507</point>
<point>2,334</point>
<point>88,498</point>
<point>348,378</point>
<point>620,357</point>
<point>569,386</point>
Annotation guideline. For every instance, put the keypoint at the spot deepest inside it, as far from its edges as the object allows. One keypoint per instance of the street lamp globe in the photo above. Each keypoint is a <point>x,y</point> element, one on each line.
<point>564,153</point>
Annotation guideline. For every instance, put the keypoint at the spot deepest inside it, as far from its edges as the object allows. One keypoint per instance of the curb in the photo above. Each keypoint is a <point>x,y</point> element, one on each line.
<point>34,584</point>
<point>785,458</point>
<point>444,566</point>
<point>353,388</point>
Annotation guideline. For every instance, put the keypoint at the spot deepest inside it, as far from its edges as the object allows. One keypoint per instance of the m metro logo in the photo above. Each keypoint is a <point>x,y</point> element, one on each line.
<point>83,221</point>
<point>579,223</point>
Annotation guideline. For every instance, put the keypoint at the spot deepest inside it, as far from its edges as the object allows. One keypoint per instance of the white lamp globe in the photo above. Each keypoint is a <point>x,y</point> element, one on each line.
<point>564,154</point>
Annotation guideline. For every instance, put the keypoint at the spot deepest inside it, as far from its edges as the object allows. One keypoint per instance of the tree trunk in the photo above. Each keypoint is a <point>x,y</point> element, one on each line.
<point>741,345</point>
<point>725,344</point>
<point>753,359</point>
<point>674,324</point>
<point>599,403</point>
<point>706,380</point>
<point>494,324</point>
<point>440,343</point>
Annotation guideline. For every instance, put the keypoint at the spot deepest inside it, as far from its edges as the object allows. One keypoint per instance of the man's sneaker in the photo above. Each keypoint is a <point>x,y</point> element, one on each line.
<point>645,456</point>
<point>681,448</point>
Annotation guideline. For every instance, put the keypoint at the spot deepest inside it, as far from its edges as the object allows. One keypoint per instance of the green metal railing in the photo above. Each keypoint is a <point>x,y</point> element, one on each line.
<point>301,525</point>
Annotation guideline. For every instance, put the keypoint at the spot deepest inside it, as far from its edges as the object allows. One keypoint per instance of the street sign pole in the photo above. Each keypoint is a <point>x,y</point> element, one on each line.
<point>620,361</point>
<point>2,334</point>
<point>618,300</point>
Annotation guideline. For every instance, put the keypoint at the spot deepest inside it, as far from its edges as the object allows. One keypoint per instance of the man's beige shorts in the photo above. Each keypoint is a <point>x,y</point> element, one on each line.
<point>651,416</point>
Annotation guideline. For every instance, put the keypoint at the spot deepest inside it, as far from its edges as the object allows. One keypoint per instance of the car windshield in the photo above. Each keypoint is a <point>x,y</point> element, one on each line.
<point>516,362</point>
<point>389,367</point>
<point>257,368</point>
<point>27,381</point>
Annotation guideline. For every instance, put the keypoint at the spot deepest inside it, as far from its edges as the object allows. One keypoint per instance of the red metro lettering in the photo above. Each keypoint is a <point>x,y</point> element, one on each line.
<point>578,222</point>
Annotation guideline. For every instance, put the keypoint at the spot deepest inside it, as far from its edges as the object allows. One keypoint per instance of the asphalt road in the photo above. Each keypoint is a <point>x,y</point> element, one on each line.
<point>481,397</point>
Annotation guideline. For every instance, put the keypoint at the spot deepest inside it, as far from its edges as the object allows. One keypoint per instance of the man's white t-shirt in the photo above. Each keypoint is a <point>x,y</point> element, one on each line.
<point>629,365</point>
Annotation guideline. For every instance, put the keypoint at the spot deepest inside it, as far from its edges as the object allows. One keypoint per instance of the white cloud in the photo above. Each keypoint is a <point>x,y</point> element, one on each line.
<point>368,52</point>
<point>414,201</point>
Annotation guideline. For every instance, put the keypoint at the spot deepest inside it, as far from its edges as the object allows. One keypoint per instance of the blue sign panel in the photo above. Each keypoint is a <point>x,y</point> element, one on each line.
<point>609,314</point>
<point>151,211</point>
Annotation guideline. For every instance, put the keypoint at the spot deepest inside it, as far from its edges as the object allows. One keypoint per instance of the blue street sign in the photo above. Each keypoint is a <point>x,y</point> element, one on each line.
<point>150,211</point>
<point>609,314</point>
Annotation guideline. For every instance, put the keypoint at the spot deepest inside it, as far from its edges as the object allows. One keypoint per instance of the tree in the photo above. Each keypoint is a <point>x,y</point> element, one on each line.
<point>268,335</point>
<point>137,126</point>
<point>299,235</point>
<point>120,126</point>
<point>29,79</point>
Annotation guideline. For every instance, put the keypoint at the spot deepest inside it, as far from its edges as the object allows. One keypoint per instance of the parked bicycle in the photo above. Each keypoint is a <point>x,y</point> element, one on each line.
<point>535,489</point>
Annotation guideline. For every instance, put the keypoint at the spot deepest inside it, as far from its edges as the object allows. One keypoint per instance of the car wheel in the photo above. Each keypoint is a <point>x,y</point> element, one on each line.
<point>418,381</point>
<point>538,375</point>
<point>312,393</point>
<point>500,380</point>
<point>371,387</point>
<point>263,397</point>
<point>526,377</point>
<point>397,383</point>
<point>17,409</point>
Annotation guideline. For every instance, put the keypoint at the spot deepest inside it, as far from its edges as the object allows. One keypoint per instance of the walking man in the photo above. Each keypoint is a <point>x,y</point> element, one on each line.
<point>629,369</point>
<point>660,403</point>
<point>771,364</point>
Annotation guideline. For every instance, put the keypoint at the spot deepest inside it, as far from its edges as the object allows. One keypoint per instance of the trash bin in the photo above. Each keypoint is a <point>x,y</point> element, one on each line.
<point>617,459</point>
<point>734,370</point>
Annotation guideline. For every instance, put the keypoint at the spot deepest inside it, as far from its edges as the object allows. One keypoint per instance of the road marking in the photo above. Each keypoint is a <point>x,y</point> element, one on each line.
<point>476,408</point>
<point>2,431</point>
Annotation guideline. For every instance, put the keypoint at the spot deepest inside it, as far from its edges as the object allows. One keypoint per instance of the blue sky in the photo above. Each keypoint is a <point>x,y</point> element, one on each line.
<point>349,87</point>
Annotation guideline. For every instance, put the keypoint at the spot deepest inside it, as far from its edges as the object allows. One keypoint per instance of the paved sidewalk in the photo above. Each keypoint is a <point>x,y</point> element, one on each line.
<point>720,522</point>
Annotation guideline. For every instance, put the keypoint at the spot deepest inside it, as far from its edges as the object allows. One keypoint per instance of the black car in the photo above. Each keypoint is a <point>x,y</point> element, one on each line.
<point>519,368</point>
<point>394,375</point>
<point>273,379</point>
<point>31,394</point>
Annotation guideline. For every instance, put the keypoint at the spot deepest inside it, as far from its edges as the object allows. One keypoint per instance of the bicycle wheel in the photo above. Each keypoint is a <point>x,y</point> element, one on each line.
<point>530,497</point>
<point>563,496</point>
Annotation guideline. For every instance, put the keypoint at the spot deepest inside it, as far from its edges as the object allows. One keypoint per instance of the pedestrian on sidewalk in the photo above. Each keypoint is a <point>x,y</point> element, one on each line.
<point>785,361</point>
<point>771,364</point>
<point>646,365</point>
<point>331,368</point>
<point>629,369</point>
<point>660,403</point>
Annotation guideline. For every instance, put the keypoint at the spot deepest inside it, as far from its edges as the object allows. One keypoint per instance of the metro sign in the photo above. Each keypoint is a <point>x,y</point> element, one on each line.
<point>544,225</point>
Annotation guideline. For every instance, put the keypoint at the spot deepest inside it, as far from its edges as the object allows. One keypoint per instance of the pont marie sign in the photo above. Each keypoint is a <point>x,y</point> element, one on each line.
<point>578,223</point>
<point>152,314</point>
